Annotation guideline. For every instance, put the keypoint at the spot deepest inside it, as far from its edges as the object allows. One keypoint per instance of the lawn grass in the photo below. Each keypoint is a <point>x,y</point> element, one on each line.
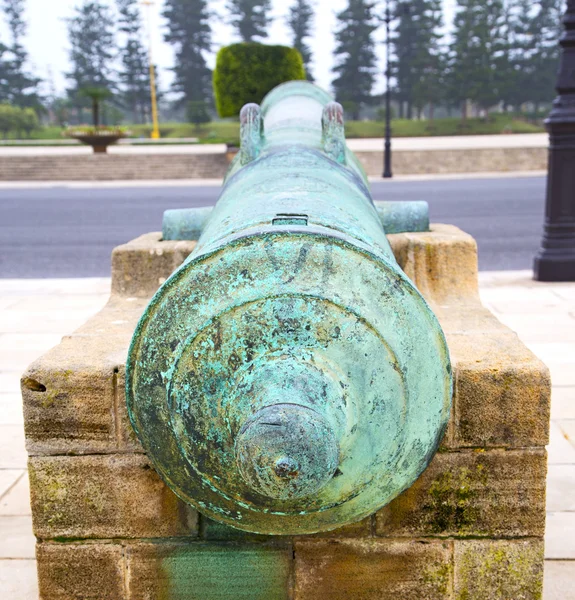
<point>228,131</point>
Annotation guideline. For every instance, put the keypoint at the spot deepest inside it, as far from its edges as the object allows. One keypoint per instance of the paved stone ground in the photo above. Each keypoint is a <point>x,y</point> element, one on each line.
<point>34,314</point>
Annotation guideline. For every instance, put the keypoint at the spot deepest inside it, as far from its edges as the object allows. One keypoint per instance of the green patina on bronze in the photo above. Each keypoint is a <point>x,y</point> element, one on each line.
<point>289,378</point>
<point>199,571</point>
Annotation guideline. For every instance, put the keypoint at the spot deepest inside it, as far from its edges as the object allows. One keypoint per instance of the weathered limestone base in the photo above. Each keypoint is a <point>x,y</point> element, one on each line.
<point>471,527</point>
<point>339,569</point>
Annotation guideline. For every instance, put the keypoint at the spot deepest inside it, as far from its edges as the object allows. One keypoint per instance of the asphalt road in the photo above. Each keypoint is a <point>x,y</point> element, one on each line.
<point>70,232</point>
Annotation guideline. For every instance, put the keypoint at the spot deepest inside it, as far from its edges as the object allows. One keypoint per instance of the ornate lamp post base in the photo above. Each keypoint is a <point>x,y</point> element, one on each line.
<point>556,259</point>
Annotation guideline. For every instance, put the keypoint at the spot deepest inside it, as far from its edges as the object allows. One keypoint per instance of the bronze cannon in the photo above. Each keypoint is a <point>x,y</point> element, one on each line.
<point>288,378</point>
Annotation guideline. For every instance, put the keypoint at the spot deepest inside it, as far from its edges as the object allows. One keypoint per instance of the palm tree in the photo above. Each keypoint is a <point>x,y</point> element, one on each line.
<point>96,95</point>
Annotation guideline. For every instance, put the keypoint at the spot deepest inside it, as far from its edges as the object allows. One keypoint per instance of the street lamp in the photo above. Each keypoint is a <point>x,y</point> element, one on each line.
<point>556,258</point>
<point>387,174</point>
<point>155,129</point>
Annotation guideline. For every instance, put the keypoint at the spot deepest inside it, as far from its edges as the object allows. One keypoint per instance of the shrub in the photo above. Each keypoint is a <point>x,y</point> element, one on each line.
<point>197,113</point>
<point>247,72</point>
<point>16,120</point>
<point>29,120</point>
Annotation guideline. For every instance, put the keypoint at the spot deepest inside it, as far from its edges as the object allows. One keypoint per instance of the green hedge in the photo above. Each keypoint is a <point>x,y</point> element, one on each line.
<point>16,120</point>
<point>247,72</point>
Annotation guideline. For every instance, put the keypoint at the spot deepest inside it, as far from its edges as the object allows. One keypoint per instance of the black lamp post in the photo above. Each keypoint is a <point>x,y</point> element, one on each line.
<point>387,174</point>
<point>556,259</point>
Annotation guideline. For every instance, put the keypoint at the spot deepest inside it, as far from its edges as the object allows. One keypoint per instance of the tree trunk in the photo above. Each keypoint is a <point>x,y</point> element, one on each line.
<point>409,111</point>
<point>431,111</point>
<point>464,111</point>
<point>95,112</point>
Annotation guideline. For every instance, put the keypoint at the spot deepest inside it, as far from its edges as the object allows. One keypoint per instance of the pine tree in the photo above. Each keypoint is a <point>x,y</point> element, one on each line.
<point>476,52</point>
<point>355,67</point>
<point>190,32</point>
<point>92,41</point>
<point>541,58</point>
<point>300,21</point>
<point>17,86</point>
<point>509,75</point>
<point>250,18</point>
<point>135,72</point>
<point>419,57</point>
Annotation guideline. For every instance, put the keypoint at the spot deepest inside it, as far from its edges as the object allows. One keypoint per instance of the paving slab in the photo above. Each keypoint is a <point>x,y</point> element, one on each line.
<point>11,409</point>
<point>559,580</point>
<point>18,580</point>
<point>568,428</point>
<point>562,374</point>
<point>560,488</point>
<point>9,382</point>
<point>41,287</point>
<point>12,447</point>
<point>39,342</point>
<point>563,402</point>
<point>560,536</point>
<point>8,478</point>
<point>19,321</point>
<point>16,538</point>
<point>556,352</point>
<point>560,451</point>
<point>16,502</point>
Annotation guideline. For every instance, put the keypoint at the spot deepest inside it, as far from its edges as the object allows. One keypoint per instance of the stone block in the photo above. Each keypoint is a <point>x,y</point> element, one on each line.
<point>373,570</point>
<point>142,265</point>
<point>81,571</point>
<point>208,571</point>
<point>105,496</point>
<point>441,263</point>
<point>496,493</point>
<point>498,570</point>
<point>73,397</point>
<point>502,392</point>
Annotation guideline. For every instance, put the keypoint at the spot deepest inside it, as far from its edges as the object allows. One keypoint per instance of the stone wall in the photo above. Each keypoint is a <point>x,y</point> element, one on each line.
<point>471,527</point>
<point>83,167</point>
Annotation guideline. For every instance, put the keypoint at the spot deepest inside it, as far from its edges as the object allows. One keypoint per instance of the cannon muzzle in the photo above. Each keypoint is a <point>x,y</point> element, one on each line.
<point>289,378</point>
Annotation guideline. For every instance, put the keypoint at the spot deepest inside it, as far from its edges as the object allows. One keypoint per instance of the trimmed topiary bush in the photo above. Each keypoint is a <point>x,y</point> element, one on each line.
<point>247,72</point>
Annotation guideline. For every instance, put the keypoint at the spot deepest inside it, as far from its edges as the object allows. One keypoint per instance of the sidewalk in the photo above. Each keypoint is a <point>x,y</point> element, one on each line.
<point>456,142</point>
<point>34,314</point>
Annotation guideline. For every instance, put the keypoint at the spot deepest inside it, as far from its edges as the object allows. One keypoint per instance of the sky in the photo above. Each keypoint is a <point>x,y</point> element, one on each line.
<point>47,45</point>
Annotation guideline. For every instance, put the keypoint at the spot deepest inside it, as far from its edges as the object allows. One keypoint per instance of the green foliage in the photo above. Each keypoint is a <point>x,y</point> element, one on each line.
<point>356,59</point>
<point>17,120</point>
<point>247,72</point>
<point>92,40</point>
<point>197,113</point>
<point>476,52</point>
<point>419,63</point>
<point>250,18</point>
<point>189,31</point>
<point>228,131</point>
<point>300,21</point>
<point>134,74</point>
<point>17,86</point>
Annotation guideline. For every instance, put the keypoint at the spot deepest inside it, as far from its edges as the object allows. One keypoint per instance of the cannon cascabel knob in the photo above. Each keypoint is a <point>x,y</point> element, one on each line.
<point>287,451</point>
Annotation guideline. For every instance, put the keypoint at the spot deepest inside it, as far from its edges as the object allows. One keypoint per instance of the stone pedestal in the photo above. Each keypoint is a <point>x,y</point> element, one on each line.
<point>471,528</point>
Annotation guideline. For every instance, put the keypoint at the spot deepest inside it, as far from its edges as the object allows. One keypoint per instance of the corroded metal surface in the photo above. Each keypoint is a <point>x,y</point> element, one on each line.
<point>289,378</point>
<point>396,217</point>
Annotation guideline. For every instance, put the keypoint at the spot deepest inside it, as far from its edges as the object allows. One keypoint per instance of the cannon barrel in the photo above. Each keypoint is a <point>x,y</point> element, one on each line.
<point>289,378</point>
